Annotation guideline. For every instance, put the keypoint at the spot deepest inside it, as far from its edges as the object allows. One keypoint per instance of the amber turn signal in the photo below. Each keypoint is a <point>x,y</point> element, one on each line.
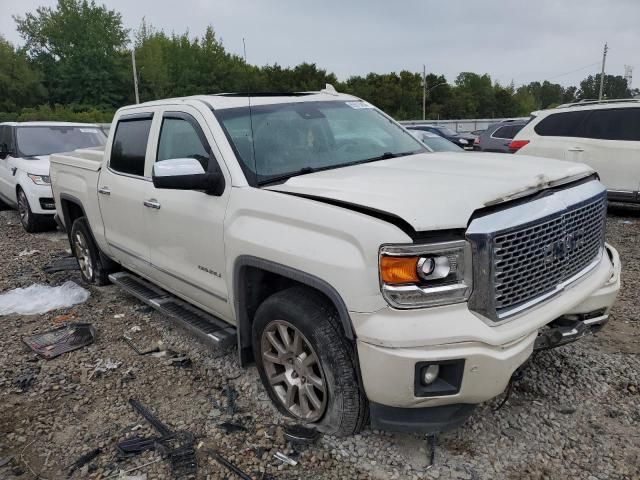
<point>395,270</point>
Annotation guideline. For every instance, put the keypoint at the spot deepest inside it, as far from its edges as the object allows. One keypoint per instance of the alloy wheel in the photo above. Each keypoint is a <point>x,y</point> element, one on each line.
<point>23,208</point>
<point>82,254</point>
<point>294,371</point>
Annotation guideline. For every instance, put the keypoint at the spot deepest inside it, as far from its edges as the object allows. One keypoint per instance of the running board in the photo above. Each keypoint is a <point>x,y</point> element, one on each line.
<point>212,330</point>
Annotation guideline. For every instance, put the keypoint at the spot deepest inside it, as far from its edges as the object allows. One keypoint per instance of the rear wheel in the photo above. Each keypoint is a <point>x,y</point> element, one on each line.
<point>92,268</point>
<point>32,222</point>
<point>307,365</point>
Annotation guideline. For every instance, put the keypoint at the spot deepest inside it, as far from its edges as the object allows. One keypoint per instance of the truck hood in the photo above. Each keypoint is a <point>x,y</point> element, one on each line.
<point>35,165</point>
<point>435,191</point>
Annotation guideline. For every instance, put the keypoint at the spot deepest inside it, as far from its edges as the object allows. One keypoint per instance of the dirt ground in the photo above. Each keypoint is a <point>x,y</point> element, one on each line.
<point>576,414</point>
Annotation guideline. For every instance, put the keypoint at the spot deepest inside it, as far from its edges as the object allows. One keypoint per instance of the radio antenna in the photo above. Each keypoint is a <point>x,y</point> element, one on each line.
<point>253,146</point>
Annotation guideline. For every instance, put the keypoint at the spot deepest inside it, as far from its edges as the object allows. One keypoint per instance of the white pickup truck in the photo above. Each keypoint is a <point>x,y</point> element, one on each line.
<point>364,276</point>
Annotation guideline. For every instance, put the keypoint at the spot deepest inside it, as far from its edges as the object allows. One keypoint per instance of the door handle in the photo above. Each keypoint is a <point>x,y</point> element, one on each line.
<point>104,191</point>
<point>152,203</point>
<point>576,149</point>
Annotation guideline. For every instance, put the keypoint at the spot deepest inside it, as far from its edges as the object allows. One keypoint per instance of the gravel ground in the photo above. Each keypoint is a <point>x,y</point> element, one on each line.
<point>576,413</point>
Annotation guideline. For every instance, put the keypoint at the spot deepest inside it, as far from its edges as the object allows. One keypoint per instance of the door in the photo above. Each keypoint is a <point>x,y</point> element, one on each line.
<point>185,228</point>
<point>612,148</point>
<point>7,180</point>
<point>122,188</point>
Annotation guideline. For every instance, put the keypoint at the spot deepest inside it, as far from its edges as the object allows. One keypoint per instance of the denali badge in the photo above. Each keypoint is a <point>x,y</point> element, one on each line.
<point>208,270</point>
<point>559,249</point>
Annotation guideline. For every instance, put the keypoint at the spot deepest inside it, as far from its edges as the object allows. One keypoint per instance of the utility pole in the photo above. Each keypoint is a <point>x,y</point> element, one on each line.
<point>424,92</point>
<point>604,59</point>
<point>135,74</point>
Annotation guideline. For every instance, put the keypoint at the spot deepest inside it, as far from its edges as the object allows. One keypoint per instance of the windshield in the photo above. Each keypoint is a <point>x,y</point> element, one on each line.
<point>436,143</point>
<point>34,141</point>
<point>297,138</point>
<point>446,131</point>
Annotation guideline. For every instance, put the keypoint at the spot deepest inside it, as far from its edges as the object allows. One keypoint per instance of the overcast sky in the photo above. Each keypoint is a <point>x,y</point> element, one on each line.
<point>515,40</point>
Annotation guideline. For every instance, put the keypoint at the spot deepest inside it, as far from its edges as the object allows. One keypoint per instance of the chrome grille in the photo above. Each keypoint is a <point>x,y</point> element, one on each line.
<point>531,261</point>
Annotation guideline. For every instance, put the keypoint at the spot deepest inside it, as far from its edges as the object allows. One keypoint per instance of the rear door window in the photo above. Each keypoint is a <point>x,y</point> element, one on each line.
<point>507,132</point>
<point>614,124</point>
<point>565,124</point>
<point>130,145</point>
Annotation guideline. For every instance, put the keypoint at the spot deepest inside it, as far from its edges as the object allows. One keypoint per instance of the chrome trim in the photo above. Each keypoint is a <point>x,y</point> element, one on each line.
<point>458,291</point>
<point>622,195</point>
<point>152,203</point>
<point>122,174</point>
<point>483,230</point>
<point>124,250</point>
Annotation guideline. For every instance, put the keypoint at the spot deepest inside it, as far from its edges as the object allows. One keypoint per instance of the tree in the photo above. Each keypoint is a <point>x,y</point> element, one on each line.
<point>79,47</point>
<point>615,86</point>
<point>20,84</point>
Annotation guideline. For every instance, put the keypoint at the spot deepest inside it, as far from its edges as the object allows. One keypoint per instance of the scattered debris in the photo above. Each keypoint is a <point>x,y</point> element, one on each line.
<point>66,264</point>
<point>103,366</point>
<point>39,298</point>
<point>28,253</point>
<point>63,318</point>
<point>231,427</point>
<point>136,329</point>
<point>180,360</point>
<point>284,459</point>
<point>60,340</point>
<point>231,394</point>
<point>83,460</point>
<point>24,381</point>
<point>300,435</point>
<point>137,349</point>
<point>119,315</point>
<point>5,460</point>
<point>431,448</point>
<point>230,466</point>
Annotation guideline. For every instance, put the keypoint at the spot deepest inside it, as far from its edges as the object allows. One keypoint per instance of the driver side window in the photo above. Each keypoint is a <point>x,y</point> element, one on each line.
<point>182,137</point>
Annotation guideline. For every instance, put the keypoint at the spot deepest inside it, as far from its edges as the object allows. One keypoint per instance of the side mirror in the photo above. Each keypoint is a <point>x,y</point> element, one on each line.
<point>186,174</point>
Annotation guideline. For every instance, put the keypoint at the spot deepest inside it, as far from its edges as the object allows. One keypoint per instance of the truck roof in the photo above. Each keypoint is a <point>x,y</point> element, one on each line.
<point>232,100</point>
<point>50,124</point>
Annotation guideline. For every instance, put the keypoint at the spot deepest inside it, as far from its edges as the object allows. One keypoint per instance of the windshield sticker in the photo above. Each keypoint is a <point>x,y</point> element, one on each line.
<point>359,105</point>
<point>89,130</point>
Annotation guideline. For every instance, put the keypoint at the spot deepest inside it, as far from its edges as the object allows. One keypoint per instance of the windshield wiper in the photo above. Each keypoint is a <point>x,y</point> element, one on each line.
<point>384,156</point>
<point>283,178</point>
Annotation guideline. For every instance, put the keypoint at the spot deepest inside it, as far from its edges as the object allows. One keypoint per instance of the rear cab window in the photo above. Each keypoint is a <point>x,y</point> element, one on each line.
<point>129,147</point>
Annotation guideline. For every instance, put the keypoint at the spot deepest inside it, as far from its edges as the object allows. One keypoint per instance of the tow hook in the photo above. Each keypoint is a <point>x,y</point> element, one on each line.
<point>569,328</point>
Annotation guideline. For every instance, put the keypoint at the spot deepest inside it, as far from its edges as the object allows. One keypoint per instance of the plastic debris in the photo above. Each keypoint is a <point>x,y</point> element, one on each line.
<point>284,459</point>
<point>230,427</point>
<point>62,318</point>
<point>231,394</point>
<point>137,349</point>
<point>60,340</point>
<point>136,329</point>
<point>39,298</point>
<point>28,253</point>
<point>84,459</point>
<point>300,435</point>
<point>65,264</point>
<point>103,366</point>
<point>119,315</point>
<point>230,466</point>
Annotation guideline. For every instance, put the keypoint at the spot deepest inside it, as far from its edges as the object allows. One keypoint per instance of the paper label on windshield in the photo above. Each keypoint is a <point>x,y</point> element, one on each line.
<point>89,130</point>
<point>359,105</point>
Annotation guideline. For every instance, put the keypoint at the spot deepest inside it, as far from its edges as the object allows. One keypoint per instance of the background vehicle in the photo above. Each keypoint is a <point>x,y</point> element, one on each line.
<point>498,136</point>
<point>360,272</point>
<point>604,135</point>
<point>24,165</point>
<point>464,141</point>
<point>435,142</point>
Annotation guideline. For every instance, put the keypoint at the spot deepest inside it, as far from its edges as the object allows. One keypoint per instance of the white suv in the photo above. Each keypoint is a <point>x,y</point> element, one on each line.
<point>604,135</point>
<point>24,165</point>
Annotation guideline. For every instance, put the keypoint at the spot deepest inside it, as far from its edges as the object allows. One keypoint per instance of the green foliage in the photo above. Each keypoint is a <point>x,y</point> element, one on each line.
<point>75,66</point>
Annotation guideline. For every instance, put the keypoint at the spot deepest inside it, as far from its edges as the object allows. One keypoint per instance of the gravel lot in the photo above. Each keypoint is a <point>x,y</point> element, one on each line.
<point>576,414</point>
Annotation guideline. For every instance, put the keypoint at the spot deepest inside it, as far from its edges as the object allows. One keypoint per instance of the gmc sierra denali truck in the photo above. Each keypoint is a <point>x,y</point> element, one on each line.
<point>364,276</point>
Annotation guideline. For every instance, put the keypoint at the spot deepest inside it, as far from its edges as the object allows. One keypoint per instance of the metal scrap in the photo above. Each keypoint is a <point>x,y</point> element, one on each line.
<point>231,394</point>
<point>137,349</point>
<point>61,340</point>
<point>83,460</point>
<point>229,465</point>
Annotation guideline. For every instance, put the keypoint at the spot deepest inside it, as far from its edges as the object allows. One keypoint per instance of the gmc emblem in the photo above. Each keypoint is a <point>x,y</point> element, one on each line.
<point>559,249</point>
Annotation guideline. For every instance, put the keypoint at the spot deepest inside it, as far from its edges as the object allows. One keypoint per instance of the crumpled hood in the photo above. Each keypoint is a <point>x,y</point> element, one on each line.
<point>35,165</point>
<point>435,191</point>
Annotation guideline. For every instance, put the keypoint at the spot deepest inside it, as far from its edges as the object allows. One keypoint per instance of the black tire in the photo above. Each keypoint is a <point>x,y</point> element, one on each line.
<point>32,222</point>
<point>345,405</point>
<point>90,259</point>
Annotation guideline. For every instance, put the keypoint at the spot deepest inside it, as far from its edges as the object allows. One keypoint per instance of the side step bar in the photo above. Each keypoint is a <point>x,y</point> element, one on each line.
<point>212,330</point>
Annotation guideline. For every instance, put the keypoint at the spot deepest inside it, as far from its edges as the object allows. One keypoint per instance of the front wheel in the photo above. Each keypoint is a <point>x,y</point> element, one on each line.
<point>306,364</point>
<point>87,253</point>
<point>32,222</point>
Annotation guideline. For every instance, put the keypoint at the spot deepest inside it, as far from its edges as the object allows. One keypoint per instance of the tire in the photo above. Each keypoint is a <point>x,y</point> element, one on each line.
<point>32,222</point>
<point>90,259</point>
<point>340,406</point>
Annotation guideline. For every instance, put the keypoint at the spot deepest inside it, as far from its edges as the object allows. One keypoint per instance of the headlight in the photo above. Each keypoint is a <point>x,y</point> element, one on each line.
<point>414,276</point>
<point>40,179</point>
<point>462,141</point>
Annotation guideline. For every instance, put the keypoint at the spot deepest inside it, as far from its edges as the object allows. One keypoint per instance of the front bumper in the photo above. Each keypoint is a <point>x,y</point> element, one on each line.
<point>40,199</point>
<point>491,354</point>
